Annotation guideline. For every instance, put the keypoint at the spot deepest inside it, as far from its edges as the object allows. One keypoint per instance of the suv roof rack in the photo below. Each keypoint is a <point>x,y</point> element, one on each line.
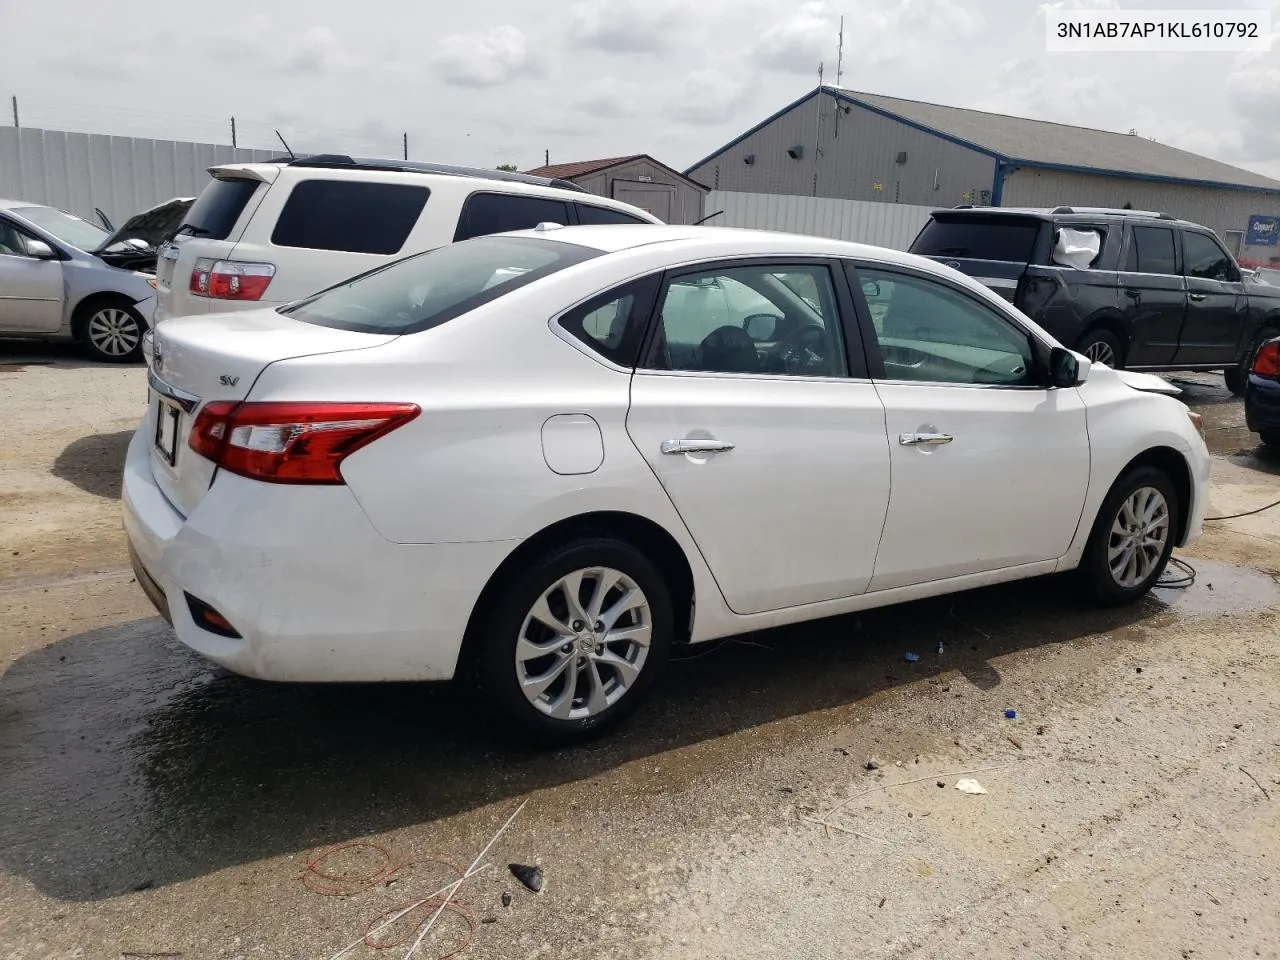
<point>1115,212</point>
<point>338,160</point>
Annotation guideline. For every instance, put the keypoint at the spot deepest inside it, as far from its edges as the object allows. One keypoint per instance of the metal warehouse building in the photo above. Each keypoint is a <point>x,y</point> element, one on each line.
<point>840,144</point>
<point>638,180</point>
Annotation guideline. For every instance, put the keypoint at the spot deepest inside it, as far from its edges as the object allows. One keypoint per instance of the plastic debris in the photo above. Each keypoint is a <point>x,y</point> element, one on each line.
<point>506,899</point>
<point>531,877</point>
<point>1011,714</point>
<point>911,657</point>
<point>969,785</point>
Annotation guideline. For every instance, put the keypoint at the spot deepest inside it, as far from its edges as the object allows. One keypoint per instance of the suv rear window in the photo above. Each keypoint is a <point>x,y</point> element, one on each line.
<point>428,289</point>
<point>218,207</point>
<point>350,216</point>
<point>486,213</point>
<point>978,238</point>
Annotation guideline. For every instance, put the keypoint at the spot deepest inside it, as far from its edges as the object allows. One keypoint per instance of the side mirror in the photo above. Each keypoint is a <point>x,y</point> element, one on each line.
<point>1067,369</point>
<point>138,243</point>
<point>40,250</point>
<point>870,289</point>
<point>760,326</point>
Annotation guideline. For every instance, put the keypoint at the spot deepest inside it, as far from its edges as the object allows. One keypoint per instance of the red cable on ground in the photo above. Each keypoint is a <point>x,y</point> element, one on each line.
<point>332,884</point>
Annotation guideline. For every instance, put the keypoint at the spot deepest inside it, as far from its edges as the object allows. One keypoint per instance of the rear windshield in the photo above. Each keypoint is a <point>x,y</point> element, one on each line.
<point>428,289</point>
<point>979,238</point>
<point>218,208</point>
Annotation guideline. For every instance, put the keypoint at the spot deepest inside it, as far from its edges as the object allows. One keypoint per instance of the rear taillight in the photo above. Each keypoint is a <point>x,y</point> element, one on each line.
<point>1267,362</point>
<point>230,279</point>
<point>291,442</point>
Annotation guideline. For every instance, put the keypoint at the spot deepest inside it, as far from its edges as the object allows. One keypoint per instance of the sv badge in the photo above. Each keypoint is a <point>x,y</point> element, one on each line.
<point>228,381</point>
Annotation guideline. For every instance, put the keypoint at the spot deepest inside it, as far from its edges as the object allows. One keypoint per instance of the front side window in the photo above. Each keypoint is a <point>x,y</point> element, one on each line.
<point>1151,251</point>
<point>931,332</point>
<point>486,213</point>
<point>594,216</point>
<point>750,320</point>
<point>431,288</point>
<point>13,243</point>
<point>1203,257</point>
<point>349,215</point>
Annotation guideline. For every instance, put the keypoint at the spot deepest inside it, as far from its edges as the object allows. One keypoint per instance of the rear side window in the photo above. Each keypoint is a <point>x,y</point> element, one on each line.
<point>486,213</point>
<point>613,323</point>
<point>426,290</point>
<point>349,216</point>
<point>1151,251</point>
<point>979,238</point>
<point>218,207</point>
<point>595,216</point>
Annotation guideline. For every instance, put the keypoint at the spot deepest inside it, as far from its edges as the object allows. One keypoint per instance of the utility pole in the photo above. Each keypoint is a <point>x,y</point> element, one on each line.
<point>546,157</point>
<point>233,132</point>
<point>839,76</point>
<point>15,111</point>
<point>406,144</point>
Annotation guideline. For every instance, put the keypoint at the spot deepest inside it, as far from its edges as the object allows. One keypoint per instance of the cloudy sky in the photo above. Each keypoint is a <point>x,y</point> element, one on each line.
<point>500,81</point>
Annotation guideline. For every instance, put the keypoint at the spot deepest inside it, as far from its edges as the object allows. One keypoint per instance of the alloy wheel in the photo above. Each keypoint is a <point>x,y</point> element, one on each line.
<point>1139,534</point>
<point>114,332</point>
<point>1100,352</point>
<point>584,643</point>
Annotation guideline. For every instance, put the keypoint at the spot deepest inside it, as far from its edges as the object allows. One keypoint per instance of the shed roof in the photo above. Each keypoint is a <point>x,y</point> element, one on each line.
<point>1019,141</point>
<point>567,171</point>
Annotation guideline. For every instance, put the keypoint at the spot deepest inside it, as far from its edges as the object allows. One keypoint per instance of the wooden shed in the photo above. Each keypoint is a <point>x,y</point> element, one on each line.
<point>638,180</point>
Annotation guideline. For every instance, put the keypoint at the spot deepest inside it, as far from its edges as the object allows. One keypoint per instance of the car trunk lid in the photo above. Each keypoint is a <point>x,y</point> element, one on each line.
<point>196,360</point>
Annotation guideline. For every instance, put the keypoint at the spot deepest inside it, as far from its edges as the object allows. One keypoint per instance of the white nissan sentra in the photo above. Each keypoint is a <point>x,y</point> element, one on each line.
<point>542,459</point>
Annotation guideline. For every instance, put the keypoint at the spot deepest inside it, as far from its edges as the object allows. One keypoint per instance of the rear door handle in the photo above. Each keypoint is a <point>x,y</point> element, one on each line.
<point>1133,294</point>
<point>695,445</point>
<point>923,439</point>
<point>1197,297</point>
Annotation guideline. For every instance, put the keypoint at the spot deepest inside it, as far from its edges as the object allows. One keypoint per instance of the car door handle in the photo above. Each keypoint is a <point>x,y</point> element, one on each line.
<point>923,439</point>
<point>1132,293</point>
<point>1198,296</point>
<point>695,445</point>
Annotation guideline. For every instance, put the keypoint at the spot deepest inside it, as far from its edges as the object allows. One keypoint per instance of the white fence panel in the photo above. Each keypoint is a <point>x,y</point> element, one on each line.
<point>864,221</point>
<point>120,175</point>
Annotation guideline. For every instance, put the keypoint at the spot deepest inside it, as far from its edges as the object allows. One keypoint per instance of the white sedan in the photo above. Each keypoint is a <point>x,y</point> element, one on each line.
<point>543,459</point>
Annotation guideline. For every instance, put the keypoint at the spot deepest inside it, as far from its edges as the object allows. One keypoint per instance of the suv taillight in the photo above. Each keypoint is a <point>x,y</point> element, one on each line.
<point>1267,362</point>
<point>291,442</point>
<point>230,279</point>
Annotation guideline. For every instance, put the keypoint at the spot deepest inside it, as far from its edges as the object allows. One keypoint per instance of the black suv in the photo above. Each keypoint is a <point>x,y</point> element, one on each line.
<point>1131,289</point>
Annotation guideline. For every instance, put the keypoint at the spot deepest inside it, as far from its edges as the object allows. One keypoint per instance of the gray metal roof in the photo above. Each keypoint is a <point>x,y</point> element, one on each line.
<point>1042,143</point>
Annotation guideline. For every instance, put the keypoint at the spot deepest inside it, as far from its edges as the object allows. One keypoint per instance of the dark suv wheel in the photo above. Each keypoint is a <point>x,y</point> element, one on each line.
<point>1237,377</point>
<point>1102,346</point>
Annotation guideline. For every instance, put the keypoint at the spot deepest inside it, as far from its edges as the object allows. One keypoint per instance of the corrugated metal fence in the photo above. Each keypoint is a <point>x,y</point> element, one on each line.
<point>121,175</point>
<point>884,224</point>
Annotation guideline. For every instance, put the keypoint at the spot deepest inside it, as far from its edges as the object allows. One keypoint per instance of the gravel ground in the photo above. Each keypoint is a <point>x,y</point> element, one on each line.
<point>153,805</point>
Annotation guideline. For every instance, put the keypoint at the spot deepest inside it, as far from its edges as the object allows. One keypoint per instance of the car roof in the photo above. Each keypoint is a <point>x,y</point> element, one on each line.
<point>1070,215</point>
<point>17,204</point>
<point>720,241</point>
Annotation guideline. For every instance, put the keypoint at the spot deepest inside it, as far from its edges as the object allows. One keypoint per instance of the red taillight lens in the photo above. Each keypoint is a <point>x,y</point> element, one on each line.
<point>291,442</point>
<point>1267,362</point>
<point>230,279</point>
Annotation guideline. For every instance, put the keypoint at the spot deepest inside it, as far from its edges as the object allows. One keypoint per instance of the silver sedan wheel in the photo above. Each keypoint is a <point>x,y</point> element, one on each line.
<point>1139,535</point>
<point>114,332</point>
<point>582,646</point>
<point>1100,352</point>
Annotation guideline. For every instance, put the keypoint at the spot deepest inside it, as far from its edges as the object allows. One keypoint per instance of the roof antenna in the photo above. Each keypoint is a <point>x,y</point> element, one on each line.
<point>286,146</point>
<point>840,55</point>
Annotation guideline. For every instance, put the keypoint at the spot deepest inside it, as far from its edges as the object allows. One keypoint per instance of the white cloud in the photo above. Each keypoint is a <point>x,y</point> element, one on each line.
<point>612,99</point>
<point>800,42</point>
<point>317,51</point>
<point>486,58</point>
<point>627,26</point>
<point>709,96</point>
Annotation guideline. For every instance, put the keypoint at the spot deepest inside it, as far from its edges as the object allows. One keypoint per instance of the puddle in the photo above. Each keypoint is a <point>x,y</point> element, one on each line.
<point>1221,588</point>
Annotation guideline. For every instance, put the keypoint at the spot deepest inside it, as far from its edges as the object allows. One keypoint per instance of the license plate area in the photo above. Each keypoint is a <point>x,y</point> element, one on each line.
<point>168,417</point>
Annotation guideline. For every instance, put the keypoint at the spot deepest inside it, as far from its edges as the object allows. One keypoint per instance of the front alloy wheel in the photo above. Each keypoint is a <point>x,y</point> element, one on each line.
<point>1138,537</point>
<point>1132,537</point>
<point>114,333</point>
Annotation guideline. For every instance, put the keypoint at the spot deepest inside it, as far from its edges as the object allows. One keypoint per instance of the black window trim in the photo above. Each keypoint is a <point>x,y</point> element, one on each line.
<point>850,335</point>
<point>1130,241</point>
<point>871,344</point>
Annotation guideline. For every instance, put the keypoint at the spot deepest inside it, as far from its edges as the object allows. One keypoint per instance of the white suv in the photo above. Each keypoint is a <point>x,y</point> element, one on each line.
<point>263,234</point>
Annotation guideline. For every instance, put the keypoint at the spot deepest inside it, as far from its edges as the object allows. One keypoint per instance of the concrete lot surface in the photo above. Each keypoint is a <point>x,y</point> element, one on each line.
<point>154,805</point>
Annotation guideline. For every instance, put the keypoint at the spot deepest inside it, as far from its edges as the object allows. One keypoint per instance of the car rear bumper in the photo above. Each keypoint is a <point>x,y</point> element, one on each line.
<point>315,593</point>
<point>1262,404</point>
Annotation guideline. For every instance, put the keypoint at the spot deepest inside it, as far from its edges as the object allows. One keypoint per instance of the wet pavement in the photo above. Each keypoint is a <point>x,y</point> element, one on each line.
<point>152,802</point>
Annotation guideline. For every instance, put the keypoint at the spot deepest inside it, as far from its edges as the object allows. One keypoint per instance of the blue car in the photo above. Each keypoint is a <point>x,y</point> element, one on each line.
<point>1262,394</point>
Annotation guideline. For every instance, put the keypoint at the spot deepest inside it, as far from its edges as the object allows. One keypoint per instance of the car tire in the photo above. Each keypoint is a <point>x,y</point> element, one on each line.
<point>1141,504</point>
<point>1237,377</point>
<point>1100,343</point>
<point>110,330</point>
<point>1271,438</point>
<point>509,660</point>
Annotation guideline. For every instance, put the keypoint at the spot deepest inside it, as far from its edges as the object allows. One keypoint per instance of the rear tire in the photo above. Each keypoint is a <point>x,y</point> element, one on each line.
<point>1271,438</point>
<point>1102,346</point>
<point>1132,538</point>
<point>563,671</point>
<point>110,330</point>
